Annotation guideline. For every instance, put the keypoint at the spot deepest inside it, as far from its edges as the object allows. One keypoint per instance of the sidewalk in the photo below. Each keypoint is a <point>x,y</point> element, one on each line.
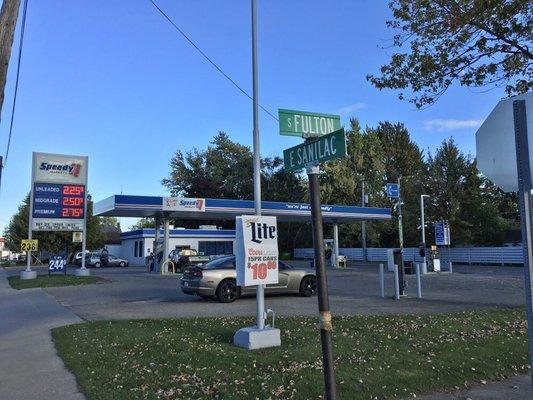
<point>515,388</point>
<point>30,366</point>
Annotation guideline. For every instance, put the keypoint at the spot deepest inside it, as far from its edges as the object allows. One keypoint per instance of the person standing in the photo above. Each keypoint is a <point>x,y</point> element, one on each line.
<point>104,257</point>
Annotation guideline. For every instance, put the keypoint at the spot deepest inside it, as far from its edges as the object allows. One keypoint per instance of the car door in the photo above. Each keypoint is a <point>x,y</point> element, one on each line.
<point>283,279</point>
<point>112,261</point>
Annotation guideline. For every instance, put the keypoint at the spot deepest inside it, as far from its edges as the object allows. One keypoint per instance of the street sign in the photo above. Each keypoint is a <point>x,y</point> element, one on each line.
<point>29,245</point>
<point>442,233</point>
<point>307,124</point>
<point>393,190</point>
<point>496,144</point>
<point>324,148</point>
<point>77,237</point>
<point>256,250</point>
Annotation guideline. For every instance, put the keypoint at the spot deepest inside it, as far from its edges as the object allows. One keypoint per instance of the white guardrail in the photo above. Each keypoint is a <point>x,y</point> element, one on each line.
<point>459,255</point>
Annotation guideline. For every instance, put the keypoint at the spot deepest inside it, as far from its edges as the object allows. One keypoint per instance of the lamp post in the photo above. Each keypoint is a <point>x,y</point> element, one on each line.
<point>423,231</point>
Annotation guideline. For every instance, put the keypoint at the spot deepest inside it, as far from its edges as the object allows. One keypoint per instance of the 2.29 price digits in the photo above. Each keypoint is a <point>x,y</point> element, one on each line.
<point>72,212</point>
<point>260,270</point>
<point>74,190</point>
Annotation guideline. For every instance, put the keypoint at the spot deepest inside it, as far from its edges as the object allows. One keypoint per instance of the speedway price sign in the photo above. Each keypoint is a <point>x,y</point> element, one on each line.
<point>59,193</point>
<point>256,250</point>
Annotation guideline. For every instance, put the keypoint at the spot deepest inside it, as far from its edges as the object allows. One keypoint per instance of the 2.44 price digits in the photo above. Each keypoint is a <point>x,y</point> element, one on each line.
<point>72,212</point>
<point>260,270</point>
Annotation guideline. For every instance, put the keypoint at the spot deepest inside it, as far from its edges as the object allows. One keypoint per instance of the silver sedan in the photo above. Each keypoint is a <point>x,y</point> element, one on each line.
<point>217,278</point>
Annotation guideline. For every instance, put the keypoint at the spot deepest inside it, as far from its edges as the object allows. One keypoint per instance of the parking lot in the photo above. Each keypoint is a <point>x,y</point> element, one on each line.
<point>133,293</point>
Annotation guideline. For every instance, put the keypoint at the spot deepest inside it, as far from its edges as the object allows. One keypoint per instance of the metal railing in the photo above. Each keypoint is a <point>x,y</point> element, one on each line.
<point>459,255</point>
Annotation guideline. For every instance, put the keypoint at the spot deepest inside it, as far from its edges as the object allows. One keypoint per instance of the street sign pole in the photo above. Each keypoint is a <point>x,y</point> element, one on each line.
<point>423,231</point>
<point>524,187</point>
<point>325,323</point>
<point>400,218</point>
<point>363,223</point>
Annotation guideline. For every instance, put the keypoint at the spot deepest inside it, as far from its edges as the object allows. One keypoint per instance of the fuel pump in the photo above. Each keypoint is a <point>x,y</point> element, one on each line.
<point>435,258</point>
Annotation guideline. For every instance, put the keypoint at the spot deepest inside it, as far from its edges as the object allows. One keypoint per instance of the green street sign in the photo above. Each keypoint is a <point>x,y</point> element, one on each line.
<point>324,148</point>
<point>307,124</point>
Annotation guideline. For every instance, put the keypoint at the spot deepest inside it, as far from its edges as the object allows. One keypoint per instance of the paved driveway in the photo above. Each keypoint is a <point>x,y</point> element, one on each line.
<point>133,293</point>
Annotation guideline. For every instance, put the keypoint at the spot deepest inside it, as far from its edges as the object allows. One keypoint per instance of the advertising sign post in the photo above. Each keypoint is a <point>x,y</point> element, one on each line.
<point>58,199</point>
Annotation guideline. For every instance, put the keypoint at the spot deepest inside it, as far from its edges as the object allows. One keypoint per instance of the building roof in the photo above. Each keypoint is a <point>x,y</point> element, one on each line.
<point>222,209</point>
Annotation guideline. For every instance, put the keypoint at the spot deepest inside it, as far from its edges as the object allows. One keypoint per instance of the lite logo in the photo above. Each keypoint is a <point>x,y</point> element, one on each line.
<point>72,169</point>
<point>261,231</point>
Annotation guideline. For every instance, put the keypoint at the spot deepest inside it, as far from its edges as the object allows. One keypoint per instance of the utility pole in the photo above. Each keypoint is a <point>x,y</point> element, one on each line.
<point>8,22</point>
<point>363,223</point>
<point>400,218</point>
<point>260,295</point>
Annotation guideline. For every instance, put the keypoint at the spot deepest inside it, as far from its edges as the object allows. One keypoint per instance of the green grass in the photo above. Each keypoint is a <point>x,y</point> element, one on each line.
<point>43,281</point>
<point>375,356</point>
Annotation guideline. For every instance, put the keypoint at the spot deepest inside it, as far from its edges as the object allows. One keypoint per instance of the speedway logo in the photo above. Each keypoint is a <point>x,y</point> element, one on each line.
<point>73,169</point>
<point>183,204</point>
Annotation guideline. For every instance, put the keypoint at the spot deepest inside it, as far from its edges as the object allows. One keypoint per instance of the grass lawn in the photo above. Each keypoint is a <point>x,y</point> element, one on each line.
<point>52,280</point>
<point>376,356</point>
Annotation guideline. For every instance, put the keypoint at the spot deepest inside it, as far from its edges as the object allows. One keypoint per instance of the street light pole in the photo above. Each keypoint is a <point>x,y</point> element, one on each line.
<point>423,230</point>
<point>363,223</point>
<point>260,295</point>
<point>400,218</point>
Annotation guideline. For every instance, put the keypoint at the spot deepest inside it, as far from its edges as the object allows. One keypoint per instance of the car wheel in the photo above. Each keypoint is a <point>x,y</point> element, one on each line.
<point>227,291</point>
<point>97,265</point>
<point>122,264</point>
<point>308,286</point>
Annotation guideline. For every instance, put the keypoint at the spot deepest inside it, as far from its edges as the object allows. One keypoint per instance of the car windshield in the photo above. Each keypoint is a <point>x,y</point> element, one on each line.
<point>223,262</point>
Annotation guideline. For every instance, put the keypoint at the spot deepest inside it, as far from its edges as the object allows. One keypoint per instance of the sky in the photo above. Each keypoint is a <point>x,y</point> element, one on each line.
<point>111,79</point>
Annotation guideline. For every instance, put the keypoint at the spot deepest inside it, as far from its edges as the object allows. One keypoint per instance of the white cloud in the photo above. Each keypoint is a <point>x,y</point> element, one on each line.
<point>347,110</point>
<point>447,125</point>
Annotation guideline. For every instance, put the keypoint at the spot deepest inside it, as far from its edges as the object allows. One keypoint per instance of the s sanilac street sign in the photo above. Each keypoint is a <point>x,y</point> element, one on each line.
<point>324,148</point>
<point>307,124</point>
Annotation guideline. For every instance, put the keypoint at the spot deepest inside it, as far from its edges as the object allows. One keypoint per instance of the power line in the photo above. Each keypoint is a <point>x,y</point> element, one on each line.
<point>19,59</point>
<point>182,33</point>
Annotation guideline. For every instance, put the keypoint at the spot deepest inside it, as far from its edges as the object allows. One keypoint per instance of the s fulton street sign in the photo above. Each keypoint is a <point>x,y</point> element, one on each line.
<point>324,148</point>
<point>307,124</point>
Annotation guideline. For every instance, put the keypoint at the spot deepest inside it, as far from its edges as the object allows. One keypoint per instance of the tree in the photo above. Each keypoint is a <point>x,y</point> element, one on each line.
<point>479,43</point>
<point>53,242</point>
<point>143,223</point>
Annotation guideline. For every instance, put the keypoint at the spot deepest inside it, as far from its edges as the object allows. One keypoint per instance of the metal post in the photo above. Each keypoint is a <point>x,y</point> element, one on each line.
<point>363,223</point>
<point>84,271</point>
<point>166,237</point>
<point>423,230</point>
<point>260,295</point>
<point>320,267</point>
<point>396,283</point>
<point>524,186</point>
<point>28,273</point>
<point>381,281</point>
<point>335,255</point>
<point>451,266</point>
<point>157,237</point>
<point>418,281</point>
<point>400,218</point>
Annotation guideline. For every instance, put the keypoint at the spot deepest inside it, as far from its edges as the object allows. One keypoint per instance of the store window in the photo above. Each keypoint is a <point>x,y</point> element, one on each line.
<point>215,248</point>
<point>141,248</point>
<point>135,249</point>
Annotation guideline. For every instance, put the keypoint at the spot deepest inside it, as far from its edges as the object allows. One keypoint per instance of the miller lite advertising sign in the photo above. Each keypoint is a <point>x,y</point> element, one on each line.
<point>256,250</point>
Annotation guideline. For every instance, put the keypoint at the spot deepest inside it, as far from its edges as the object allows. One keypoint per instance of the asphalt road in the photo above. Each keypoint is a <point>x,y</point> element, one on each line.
<point>133,293</point>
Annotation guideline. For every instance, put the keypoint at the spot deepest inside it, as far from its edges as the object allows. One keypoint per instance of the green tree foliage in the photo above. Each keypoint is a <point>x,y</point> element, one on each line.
<point>143,223</point>
<point>478,43</point>
<point>52,242</point>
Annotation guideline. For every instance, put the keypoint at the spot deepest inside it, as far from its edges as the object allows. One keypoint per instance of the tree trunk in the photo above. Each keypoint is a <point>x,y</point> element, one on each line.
<point>8,22</point>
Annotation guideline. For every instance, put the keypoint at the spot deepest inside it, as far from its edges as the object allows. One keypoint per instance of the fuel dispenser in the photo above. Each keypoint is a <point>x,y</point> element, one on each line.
<point>158,255</point>
<point>435,258</point>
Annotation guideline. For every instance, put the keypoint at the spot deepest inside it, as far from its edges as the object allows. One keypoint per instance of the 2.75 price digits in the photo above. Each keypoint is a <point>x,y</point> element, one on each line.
<point>72,212</point>
<point>260,270</point>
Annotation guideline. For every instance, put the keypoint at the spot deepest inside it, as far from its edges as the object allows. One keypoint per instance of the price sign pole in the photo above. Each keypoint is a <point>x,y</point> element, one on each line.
<point>83,271</point>
<point>28,273</point>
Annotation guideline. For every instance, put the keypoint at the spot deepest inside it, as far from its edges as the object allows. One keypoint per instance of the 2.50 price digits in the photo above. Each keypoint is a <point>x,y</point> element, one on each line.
<point>73,190</point>
<point>72,201</point>
<point>260,270</point>
<point>72,212</point>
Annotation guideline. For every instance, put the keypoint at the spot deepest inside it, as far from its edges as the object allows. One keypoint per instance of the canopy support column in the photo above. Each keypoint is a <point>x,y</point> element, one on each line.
<point>335,253</point>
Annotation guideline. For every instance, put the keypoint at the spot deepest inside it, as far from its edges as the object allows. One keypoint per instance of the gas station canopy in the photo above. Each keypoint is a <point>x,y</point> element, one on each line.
<point>222,209</point>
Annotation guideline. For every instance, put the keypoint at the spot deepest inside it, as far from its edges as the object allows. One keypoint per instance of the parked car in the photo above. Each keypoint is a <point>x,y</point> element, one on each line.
<point>217,278</point>
<point>93,260</point>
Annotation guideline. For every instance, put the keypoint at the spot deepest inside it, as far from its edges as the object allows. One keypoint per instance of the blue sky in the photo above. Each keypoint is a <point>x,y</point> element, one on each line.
<point>111,79</point>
